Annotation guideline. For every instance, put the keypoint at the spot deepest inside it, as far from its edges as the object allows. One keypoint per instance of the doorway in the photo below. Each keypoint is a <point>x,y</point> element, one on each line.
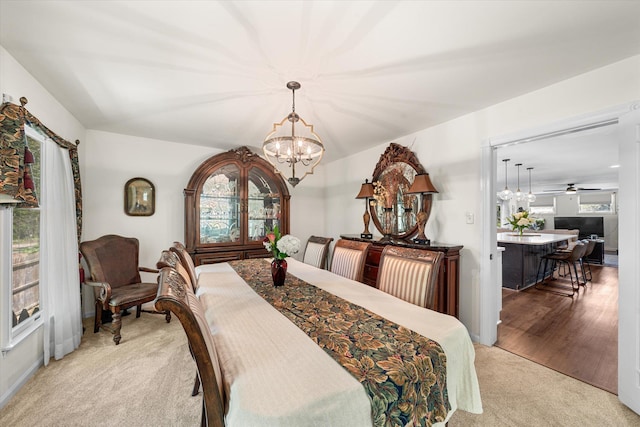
<point>627,133</point>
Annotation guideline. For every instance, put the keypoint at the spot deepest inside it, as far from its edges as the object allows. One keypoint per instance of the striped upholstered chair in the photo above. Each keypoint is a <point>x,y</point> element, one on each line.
<point>317,251</point>
<point>348,258</point>
<point>410,274</point>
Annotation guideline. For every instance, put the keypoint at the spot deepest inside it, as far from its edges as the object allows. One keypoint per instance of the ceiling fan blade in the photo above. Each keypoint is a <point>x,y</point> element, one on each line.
<point>588,189</point>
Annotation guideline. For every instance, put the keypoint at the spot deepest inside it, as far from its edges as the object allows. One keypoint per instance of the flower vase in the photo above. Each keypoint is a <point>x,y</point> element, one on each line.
<point>387,222</point>
<point>278,271</point>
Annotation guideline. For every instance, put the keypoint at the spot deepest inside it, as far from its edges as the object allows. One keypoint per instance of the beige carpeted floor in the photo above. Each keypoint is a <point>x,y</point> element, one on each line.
<point>147,381</point>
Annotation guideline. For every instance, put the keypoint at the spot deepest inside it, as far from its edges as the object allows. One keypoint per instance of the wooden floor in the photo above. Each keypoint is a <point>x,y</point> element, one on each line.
<point>576,336</point>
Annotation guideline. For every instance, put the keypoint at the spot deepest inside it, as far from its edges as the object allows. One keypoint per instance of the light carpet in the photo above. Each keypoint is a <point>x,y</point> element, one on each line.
<point>147,381</point>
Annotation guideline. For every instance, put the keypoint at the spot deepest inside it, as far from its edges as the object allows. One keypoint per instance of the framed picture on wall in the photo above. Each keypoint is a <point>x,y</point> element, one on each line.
<point>139,197</point>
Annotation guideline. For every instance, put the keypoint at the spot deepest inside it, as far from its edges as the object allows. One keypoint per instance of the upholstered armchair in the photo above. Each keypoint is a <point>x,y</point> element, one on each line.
<point>115,278</point>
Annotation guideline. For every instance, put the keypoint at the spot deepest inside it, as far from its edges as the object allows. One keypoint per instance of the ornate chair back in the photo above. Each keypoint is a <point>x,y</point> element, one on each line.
<point>349,258</point>
<point>176,295</point>
<point>410,274</point>
<point>317,251</point>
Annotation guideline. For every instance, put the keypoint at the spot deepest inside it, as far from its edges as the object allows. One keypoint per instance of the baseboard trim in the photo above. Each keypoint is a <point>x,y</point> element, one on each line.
<point>15,387</point>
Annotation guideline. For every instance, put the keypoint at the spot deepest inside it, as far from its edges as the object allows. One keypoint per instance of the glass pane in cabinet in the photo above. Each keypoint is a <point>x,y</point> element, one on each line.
<point>220,206</point>
<point>264,204</point>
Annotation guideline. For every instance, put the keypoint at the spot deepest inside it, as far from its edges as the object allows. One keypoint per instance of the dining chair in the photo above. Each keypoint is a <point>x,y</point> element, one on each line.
<point>317,251</point>
<point>185,259</point>
<point>348,258</point>
<point>115,277</point>
<point>176,295</point>
<point>410,274</point>
<point>169,258</point>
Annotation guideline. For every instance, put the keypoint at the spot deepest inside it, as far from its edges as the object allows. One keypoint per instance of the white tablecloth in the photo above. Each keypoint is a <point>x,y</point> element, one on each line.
<point>275,375</point>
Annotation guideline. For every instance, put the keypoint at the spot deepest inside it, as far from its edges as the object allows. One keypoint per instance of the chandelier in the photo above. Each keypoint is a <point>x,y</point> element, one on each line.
<point>294,152</point>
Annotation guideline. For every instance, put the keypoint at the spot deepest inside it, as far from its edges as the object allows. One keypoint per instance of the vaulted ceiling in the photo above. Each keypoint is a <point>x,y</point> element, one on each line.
<point>214,73</point>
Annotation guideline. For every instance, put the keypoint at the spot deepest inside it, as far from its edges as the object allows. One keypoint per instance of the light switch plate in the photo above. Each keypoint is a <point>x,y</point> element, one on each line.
<point>470,217</point>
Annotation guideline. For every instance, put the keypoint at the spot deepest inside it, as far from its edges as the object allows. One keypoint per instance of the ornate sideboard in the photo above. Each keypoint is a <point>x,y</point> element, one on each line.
<point>448,276</point>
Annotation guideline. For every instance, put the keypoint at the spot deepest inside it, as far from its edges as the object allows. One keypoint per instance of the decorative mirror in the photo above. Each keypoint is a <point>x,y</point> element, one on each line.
<point>139,197</point>
<point>393,209</point>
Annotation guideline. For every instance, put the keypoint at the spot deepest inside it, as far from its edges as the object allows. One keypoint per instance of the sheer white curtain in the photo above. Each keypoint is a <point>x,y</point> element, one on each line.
<point>59,255</point>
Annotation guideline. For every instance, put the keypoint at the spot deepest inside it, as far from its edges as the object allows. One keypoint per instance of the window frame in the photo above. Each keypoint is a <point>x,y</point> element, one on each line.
<point>611,211</point>
<point>11,336</point>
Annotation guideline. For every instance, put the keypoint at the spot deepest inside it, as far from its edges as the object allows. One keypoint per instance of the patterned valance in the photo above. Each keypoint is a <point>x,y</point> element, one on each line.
<point>13,146</point>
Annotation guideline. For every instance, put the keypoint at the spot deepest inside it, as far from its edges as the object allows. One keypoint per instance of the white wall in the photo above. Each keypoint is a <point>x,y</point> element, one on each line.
<point>19,363</point>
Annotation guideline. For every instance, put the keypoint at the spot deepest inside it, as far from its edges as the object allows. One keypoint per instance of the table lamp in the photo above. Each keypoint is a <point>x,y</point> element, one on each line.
<point>366,191</point>
<point>422,184</point>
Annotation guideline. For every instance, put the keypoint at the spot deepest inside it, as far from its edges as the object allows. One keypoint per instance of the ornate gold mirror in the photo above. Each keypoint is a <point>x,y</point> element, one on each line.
<point>393,209</point>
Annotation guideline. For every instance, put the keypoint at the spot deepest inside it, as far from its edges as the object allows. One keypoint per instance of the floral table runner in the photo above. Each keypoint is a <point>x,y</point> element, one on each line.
<point>403,372</point>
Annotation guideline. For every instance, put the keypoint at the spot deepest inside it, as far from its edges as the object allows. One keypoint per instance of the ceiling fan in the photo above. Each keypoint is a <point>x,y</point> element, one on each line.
<point>572,189</point>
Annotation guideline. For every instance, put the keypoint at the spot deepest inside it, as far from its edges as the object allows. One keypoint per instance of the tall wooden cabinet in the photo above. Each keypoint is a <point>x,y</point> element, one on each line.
<point>231,201</point>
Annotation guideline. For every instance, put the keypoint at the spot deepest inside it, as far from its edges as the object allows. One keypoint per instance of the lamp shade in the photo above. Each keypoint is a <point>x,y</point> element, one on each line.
<point>366,190</point>
<point>422,184</point>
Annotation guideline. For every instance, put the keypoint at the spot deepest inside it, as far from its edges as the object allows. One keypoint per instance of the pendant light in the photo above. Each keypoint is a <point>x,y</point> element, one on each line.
<point>293,151</point>
<point>520,196</point>
<point>530,197</point>
<point>505,194</point>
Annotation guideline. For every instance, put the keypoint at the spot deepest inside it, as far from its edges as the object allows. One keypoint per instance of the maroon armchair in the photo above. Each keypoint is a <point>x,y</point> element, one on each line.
<point>115,278</point>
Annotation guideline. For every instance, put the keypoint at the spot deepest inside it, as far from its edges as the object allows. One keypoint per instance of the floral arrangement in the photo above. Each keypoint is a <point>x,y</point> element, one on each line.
<point>281,246</point>
<point>382,195</point>
<point>521,220</point>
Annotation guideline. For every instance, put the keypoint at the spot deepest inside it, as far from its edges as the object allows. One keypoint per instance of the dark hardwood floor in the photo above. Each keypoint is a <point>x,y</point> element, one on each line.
<point>575,336</point>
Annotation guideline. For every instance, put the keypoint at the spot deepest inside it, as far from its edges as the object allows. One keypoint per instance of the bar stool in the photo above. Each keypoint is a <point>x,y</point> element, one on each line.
<point>584,261</point>
<point>570,259</point>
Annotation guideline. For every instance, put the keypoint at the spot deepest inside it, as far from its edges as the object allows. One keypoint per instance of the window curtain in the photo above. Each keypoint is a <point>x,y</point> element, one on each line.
<point>12,154</point>
<point>59,249</point>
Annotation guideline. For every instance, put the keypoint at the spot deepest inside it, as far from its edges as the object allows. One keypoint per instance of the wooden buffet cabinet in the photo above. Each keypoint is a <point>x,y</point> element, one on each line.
<point>231,201</point>
<point>448,277</point>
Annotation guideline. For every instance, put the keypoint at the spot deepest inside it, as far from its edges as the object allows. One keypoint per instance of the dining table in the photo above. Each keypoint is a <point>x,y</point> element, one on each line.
<point>278,370</point>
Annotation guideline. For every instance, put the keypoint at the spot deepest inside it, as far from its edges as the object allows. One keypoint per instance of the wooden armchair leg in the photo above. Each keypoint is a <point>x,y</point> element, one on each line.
<point>138,310</point>
<point>97,322</point>
<point>167,316</point>
<point>116,323</point>
<point>196,385</point>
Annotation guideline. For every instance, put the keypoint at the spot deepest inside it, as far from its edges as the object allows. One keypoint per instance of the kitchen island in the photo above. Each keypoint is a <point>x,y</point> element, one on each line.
<point>521,257</point>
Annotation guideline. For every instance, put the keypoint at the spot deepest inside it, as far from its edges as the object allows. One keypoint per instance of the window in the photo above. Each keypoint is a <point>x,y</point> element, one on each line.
<point>544,205</point>
<point>22,296</point>
<point>596,203</point>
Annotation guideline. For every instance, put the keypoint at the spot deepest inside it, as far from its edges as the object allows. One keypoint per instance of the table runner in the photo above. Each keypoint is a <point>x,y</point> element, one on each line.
<point>403,373</point>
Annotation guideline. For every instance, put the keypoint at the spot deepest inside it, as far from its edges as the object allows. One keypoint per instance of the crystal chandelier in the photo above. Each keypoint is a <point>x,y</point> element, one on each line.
<point>293,151</point>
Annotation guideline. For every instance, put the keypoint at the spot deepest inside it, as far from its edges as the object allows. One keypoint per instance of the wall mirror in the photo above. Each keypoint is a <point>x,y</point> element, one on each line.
<point>394,210</point>
<point>139,197</point>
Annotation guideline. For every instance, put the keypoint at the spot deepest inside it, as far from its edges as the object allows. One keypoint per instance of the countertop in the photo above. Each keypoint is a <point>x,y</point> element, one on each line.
<point>532,238</point>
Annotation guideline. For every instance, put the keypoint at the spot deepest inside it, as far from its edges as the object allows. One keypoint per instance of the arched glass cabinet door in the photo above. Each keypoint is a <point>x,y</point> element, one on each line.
<point>264,202</point>
<point>393,209</point>
<point>220,210</point>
